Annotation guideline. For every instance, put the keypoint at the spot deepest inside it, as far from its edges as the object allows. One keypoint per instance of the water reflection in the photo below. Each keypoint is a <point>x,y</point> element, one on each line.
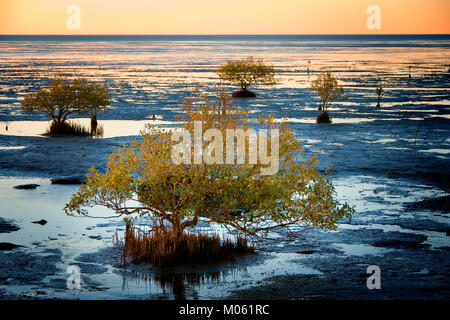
<point>111,128</point>
<point>175,284</point>
<point>211,281</point>
<point>182,282</point>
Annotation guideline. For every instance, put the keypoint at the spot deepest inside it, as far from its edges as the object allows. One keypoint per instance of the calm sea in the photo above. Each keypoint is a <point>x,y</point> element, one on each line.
<point>299,40</point>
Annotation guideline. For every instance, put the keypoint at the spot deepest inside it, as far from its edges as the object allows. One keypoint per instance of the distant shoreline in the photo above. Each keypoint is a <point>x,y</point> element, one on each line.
<point>312,41</point>
<point>232,37</point>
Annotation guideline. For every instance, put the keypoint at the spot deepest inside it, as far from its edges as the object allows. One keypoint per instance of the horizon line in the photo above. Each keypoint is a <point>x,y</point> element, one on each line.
<point>250,34</point>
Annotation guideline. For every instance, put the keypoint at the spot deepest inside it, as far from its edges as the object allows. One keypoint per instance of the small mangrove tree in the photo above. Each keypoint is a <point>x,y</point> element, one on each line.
<point>63,98</point>
<point>246,73</point>
<point>328,89</point>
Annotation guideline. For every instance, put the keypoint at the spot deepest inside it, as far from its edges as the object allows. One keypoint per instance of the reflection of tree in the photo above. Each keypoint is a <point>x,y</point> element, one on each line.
<point>173,282</point>
<point>177,282</point>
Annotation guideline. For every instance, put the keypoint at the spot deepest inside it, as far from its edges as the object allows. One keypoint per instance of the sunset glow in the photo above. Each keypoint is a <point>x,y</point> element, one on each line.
<point>224,17</point>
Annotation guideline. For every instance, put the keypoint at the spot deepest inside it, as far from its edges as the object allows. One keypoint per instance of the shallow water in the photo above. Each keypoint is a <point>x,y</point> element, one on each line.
<point>111,128</point>
<point>76,236</point>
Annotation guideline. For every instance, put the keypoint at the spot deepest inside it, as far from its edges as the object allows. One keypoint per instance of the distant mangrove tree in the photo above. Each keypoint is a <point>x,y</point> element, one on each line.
<point>64,98</point>
<point>246,73</point>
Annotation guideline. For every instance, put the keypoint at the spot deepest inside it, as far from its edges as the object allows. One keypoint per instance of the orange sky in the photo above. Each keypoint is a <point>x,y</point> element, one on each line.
<point>224,16</point>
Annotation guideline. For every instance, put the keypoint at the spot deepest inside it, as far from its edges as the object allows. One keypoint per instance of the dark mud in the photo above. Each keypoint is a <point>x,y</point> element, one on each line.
<point>435,204</point>
<point>26,186</point>
<point>6,226</point>
<point>243,94</point>
<point>21,267</point>
<point>409,269</point>
<point>6,246</point>
<point>41,222</point>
